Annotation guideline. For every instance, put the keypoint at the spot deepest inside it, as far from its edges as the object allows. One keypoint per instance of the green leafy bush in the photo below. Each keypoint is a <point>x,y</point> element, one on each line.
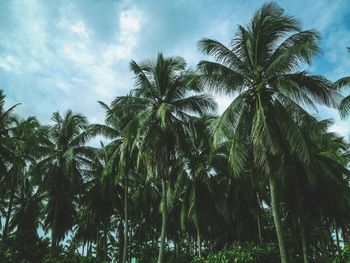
<point>247,253</point>
<point>23,249</point>
<point>72,259</point>
<point>344,255</point>
<point>149,254</point>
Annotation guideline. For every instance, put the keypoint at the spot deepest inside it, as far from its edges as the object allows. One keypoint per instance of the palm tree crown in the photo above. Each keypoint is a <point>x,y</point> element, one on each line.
<point>163,107</point>
<point>261,66</point>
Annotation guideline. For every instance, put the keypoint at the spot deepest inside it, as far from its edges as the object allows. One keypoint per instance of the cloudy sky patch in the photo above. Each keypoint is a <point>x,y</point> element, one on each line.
<point>56,55</point>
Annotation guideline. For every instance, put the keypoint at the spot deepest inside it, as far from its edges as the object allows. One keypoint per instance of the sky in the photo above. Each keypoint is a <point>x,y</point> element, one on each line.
<point>69,54</point>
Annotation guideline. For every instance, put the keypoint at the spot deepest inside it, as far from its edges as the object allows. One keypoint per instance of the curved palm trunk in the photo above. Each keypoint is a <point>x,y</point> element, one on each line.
<point>164,222</point>
<point>126,224</point>
<point>277,221</point>
<point>304,244</point>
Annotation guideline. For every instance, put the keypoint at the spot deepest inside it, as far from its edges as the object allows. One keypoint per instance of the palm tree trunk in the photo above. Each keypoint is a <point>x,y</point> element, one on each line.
<point>164,221</point>
<point>98,247</point>
<point>88,248</point>
<point>237,207</point>
<point>105,252</point>
<point>277,221</point>
<point>54,248</point>
<point>175,247</point>
<point>304,243</point>
<point>344,233</point>
<point>199,241</point>
<point>337,235</point>
<point>126,224</point>
<point>54,241</point>
<point>130,241</point>
<point>259,227</point>
<point>83,249</point>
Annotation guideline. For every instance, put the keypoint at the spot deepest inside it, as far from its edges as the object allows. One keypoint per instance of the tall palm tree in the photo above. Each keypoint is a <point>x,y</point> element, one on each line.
<point>26,147</point>
<point>344,106</point>
<point>7,122</point>
<point>261,67</point>
<point>59,172</point>
<point>112,130</point>
<point>162,105</point>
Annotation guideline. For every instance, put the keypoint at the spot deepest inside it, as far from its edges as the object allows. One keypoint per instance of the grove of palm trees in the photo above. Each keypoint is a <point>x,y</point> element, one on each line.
<point>167,179</point>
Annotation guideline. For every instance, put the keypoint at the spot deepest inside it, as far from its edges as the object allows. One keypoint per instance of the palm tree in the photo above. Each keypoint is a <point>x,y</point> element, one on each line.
<point>305,184</point>
<point>260,65</point>
<point>101,199</point>
<point>344,106</point>
<point>161,105</point>
<point>27,136</point>
<point>112,130</point>
<point>59,172</point>
<point>7,122</point>
<point>198,205</point>
<point>26,215</point>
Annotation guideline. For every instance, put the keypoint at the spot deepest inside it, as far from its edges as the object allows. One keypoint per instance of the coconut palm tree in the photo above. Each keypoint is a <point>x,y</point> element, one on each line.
<point>26,146</point>
<point>344,106</point>
<point>162,105</point>
<point>305,184</point>
<point>112,130</point>
<point>26,214</point>
<point>260,67</point>
<point>7,122</point>
<point>100,201</point>
<point>198,205</point>
<point>58,172</point>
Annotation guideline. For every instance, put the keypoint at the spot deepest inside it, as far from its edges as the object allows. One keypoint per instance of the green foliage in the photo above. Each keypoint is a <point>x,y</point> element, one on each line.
<point>23,249</point>
<point>344,255</point>
<point>170,167</point>
<point>149,254</point>
<point>73,258</point>
<point>247,253</point>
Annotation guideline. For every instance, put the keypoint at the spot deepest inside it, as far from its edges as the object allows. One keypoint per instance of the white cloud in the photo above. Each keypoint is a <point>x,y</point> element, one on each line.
<point>130,25</point>
<point>342,128</point>
<point>8,62</point>
<point>130,21</point>
<point>69,55</point>
<point>223,102</point>
<point>79,29</point>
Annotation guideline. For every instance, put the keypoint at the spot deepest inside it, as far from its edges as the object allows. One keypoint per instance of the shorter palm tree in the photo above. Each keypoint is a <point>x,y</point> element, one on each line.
<point>344,106</point>
<point>27,136</point>
<point>120,163</point>
<point>7,157</point>
<point>59,172</point>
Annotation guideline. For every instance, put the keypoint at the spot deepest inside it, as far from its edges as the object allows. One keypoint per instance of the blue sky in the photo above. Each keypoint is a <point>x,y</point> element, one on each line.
<point>63,54</point>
